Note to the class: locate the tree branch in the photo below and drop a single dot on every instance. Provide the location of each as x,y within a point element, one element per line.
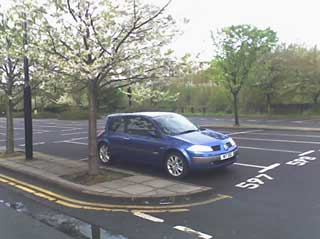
<point>71,11</point>
<point>154,16</point>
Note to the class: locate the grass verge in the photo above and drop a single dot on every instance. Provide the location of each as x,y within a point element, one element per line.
<point>103,176</point>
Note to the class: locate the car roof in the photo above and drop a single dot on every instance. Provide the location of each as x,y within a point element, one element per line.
<point>147,114</point>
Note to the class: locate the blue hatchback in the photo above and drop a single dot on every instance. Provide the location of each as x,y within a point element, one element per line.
<point>165,139</point>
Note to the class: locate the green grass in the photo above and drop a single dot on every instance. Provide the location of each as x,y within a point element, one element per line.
<point>103,176</point>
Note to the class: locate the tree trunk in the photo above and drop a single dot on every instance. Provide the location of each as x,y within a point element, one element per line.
<point>315,98</point>
<point>268,103</point>
<point>92,140</point>
<point>235,109</point>
<point>10,128</point>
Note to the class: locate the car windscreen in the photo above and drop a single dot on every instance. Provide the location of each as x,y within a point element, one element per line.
<point>175,124</point>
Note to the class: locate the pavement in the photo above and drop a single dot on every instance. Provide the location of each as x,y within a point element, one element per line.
<point>133,186</point>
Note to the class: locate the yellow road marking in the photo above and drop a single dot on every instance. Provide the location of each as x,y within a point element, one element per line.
<point>25,189</point>
<point>74,203</point>
<point>45,196</point>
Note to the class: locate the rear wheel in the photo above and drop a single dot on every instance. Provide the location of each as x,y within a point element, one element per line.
<point>176,165</point>
<point>104,154</point>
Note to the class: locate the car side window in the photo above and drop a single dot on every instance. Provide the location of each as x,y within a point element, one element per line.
<point>117,125</point>
<point>140,126</point>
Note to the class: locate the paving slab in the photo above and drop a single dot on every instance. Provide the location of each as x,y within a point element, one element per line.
<point>139,178</point>
<point>182,188</point>
<point>159,183</point>
<point>115,184</point>
<point>136,189</point>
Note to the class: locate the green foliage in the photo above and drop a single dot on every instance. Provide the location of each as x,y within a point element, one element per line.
<point>154,96</point>
<point>56,108</point>
<point>110,100</point>
<point>238,49</point>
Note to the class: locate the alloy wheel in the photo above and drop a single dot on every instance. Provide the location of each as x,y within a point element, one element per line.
<point>175,165</point>
<point>104,153</point>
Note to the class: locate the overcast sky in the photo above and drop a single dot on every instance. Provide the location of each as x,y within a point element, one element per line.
<point>295,21</point>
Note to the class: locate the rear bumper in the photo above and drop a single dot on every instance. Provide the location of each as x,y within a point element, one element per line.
<point>213,161</point>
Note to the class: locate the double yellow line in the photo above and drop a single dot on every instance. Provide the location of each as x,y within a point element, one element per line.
<point>79,204</point>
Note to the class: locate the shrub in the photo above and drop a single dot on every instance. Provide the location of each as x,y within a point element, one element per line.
<point>45,115</point>
<point>57,108</point>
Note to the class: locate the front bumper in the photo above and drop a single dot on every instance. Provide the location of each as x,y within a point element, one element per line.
<point>199,162</point>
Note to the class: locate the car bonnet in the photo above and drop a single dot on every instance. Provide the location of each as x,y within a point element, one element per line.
<point>205,137</point>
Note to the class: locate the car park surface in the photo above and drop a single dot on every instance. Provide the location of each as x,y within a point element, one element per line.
<point>274,187</point>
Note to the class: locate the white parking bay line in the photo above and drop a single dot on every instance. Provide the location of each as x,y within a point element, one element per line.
<point>250,165</point>
<point>79,138</point>
<point>74,133</point>
<point>74,142</point>
<point>193,232</point>
<point>148,217</point>
<point>72,129</point>
<point>288,135</point>
<point>306,153</point>
<point>38,143</point>
<point>279,140</point>
<point>273,150</point>
<point>246,132</point>
<point>297,122</point>
<point>269,167</point>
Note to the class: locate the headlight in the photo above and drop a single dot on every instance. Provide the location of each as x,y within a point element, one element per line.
<point>232,142</point>
<point>200,148</point>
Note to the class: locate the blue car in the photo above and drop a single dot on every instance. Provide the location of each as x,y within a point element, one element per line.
<point>168,140</point>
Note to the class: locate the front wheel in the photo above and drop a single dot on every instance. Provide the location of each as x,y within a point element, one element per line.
<point>176,165</point>
<point>104,154</point>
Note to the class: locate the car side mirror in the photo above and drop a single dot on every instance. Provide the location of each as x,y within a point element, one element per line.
<point>202,128</point>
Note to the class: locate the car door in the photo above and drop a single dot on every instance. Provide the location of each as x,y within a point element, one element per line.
<point>118,137</point>
<point>145,144</point>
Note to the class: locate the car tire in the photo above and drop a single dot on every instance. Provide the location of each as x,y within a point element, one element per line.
<point>104,154</point>
<point>176,165</point>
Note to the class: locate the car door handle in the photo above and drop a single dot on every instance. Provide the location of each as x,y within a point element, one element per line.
<point>126,138</point>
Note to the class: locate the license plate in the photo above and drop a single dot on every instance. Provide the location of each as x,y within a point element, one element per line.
<point>226,156</point>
